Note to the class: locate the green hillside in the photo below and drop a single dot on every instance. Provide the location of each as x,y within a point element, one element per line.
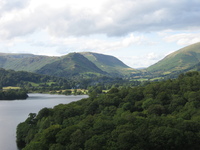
<point>109,64</point>
<point>24,62</point>
<point>70,65</point>
<point>177,61</point>
<point>79,64</point>
<point>194,68</point>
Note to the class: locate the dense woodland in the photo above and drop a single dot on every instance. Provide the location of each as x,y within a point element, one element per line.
<point>13,94</point>
<point>28,80</point>
<point>42,83</point>
<point>32,82</point>
<point>160,115</point>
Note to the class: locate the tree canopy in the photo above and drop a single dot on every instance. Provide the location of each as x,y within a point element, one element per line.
<point>159,115</point>
<point>13,94</point>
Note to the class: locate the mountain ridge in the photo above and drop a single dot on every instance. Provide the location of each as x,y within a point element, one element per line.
<point>89,64</point>
<point>67,65</point>
<point>24,62</point>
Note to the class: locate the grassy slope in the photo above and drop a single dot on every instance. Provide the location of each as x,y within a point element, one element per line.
<point>108,63</point>
<point>24,62</point>
<point>71,64</point>
<point>179,60</point>
<point>74,63</point>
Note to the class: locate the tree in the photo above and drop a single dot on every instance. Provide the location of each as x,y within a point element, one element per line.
<point>166,138</point>
<point>63,136</point>
<point>77,139</point>
<point>97,142</point>
<point>156,109</point>
<point>49,134</point>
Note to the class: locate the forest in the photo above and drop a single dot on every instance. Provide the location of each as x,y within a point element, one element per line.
<point>13,94</point>
<point>159,115</point>
<point>27,82</point>
<point>43,83</point>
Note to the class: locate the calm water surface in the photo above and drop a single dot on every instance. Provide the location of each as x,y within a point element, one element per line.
<point>14,112</point>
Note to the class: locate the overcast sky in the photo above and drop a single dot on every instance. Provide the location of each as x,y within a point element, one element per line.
<point>138,32</point>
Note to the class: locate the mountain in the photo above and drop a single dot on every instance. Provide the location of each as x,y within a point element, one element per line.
<point>70,65</point>
<point>109,64</point>
<point>177,61</point>
<point>79,64</point>
<point>24,62</point>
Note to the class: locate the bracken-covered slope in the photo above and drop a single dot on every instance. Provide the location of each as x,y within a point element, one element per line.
<point>178,61</point>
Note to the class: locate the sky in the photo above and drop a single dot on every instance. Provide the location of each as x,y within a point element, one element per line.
<point>138,32</point>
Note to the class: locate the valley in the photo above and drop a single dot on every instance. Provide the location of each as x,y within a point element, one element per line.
<point>124,104</point>
<point>87,65</point>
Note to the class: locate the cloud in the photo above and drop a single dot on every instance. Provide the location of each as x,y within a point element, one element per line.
<point>139,61</point>
<point>152,56</point>
<point>112,18</point>
<point>9,5</point>
<point>183,39</point>
<point>119,18</point>
<point>99,44</point>
<point>40,41</point>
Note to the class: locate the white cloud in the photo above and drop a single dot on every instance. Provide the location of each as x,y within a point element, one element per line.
<point>133,40</point>
<point>100,44</point>
<point>40,41</point>
<point>152,56</point>
<point>182,38</point>
<point>139,61</point>
<point>9,5</point>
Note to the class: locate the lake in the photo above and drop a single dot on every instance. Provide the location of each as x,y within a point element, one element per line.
<point>16,111</point>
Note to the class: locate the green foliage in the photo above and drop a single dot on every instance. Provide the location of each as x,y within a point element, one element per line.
<point>160,115</point>
<point>31,81</point>
<point>13,94</point>
<point>43,83</point>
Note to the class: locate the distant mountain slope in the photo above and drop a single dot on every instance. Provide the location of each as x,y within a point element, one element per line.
<point>70,65</point>
<point>24,62</point>
<point>196,67</point>
<point>84,64</point>
<point>177,61</point>
<point>109,64</point>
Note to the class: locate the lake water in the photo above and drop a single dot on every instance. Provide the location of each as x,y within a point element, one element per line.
<point>16,111</point>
